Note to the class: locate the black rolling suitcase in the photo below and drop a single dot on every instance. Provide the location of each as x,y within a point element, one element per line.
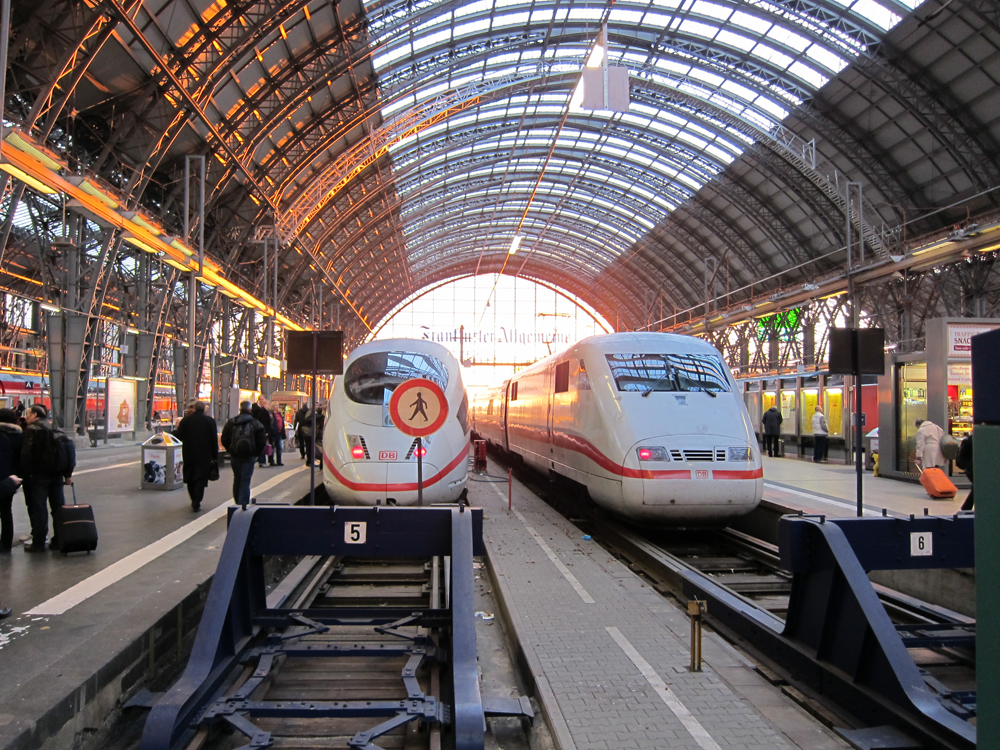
<point>76,529</point>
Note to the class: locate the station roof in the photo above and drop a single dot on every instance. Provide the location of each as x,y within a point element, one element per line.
<point>392,145</point>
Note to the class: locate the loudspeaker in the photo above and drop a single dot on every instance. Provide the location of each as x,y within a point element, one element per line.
<point>857,351</point>
<point>329,352</point>
<point>985,365</point>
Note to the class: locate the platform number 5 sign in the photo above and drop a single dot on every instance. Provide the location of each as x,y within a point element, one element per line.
<point>355,532</point>
<point>921,544</point>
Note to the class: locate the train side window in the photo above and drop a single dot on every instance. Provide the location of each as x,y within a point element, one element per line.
<point>513,391</point>
<point>562,377</point>
<point>489,409</point>
<point>582,378</point>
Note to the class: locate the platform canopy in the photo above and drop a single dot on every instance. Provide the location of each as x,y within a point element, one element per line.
<point>393,145</point>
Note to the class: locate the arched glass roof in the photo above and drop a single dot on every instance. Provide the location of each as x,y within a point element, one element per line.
<point>582,186</point>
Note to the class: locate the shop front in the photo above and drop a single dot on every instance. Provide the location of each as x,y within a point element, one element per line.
<point>797,398</point>
<point>934,384</point>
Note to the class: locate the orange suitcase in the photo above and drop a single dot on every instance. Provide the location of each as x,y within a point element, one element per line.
<point>937,484</point>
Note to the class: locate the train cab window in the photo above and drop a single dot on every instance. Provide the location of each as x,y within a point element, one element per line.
<point>513,391</point>
<point>372,378</point>
<point>562,377</point>
<point>668,372</point>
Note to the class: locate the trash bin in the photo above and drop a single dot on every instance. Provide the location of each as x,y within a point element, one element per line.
<point>162,465</point>
<point>871,448</point>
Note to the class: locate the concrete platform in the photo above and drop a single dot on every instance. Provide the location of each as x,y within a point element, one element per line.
<point>87,629</point>
<point>609,656</point>
<point>831,488</point>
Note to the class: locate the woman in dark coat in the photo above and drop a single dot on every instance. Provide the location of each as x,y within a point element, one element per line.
<point>200,438</point>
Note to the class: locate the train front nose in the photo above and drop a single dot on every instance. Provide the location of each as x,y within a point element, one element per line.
<point>702,477</point>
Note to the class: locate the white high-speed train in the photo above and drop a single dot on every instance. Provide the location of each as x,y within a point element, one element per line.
<point>366,459</point>
<point>651,423</point>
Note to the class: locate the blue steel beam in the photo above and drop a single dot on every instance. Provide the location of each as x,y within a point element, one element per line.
<point>236,621</point>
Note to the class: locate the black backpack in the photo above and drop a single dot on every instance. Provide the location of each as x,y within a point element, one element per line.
<point>243,439</point>
<point>65,453</point>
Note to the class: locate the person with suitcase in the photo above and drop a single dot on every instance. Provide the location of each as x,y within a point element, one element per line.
<point>48,458</point>
<point>930,460</point>
<point>199,438</point>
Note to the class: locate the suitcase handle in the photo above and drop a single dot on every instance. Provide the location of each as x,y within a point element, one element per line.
<point>74,493</point>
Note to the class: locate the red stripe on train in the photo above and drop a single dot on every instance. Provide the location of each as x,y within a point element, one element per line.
<point>585,448</point>
<point>404,487</point>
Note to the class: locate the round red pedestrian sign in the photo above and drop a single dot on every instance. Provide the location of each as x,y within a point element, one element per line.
<point>418,407</point>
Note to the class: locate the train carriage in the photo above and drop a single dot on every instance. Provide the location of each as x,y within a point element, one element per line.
<point>651,423</point>
<point>366,459</point>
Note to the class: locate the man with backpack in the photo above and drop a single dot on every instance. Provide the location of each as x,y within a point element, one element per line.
<point>48,458</point>
<point>244,437</point>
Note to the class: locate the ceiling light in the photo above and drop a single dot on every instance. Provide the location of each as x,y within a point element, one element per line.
<point>92,190</point>
<point>935,246</point>
<point>50,308</point>
<point>25,146</point>
<point>141,244</point>
<point>514,244</point>
<point>27,179</point>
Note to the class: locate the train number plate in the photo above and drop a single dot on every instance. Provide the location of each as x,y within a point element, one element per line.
<point>355,532</point>
<point>387,455</point>
<point>701,474</point>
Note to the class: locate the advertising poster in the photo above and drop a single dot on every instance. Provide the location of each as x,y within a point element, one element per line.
<point>121,405</point>
<point>154,470</point>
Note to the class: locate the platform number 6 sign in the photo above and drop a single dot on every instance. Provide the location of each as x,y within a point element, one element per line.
<point>921,544</point>
<point>355,532</point>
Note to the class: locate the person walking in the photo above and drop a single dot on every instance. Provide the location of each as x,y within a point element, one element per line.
<point>45,472</point>
<point>11,438</point>
<point>821,436</point>
<point>199,436</point>
<point>300,417</point>
<point>277,437</point>
<point>261,414</point>
<point>929,444</point>
<point>964,462</point>
<point>772,431</point>
<point>312,441</point>
<point>244,437</point>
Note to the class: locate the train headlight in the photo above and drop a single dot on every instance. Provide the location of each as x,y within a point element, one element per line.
<point>652,453</point>
<point>740,454</point>
<point>357,445</point>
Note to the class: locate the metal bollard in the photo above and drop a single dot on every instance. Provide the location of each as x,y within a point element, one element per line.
<point>696,609</point>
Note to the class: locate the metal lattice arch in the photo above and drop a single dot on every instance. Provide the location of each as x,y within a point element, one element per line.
<point>356,154</point>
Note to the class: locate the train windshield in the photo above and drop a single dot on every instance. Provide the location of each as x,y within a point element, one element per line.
<point>668,372</point>
<point>372,378</point>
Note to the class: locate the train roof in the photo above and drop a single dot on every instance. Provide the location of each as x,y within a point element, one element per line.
<point>635,341</point>
<point>405,345</point>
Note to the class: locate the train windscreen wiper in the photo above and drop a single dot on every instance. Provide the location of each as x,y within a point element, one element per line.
<point>668,373</point>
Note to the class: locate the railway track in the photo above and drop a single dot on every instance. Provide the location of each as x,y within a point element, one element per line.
<point>370,643</point>
<point>747,575</point>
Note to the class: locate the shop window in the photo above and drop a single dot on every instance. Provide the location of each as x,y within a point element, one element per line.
<point>911,385</point>
<point>788,412</point>
<point>833,407</point>
<point>810,399</point>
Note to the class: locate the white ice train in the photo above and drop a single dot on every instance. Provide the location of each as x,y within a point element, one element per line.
<point>651,423</point>
<point>366,459</point>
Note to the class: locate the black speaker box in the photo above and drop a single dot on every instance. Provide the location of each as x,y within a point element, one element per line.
<point>857,351</point>
<point>329,352</point>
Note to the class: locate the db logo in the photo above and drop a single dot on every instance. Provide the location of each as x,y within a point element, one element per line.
<point>387,455</point>
<point>701,474</point>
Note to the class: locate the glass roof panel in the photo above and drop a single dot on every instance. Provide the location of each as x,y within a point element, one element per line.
<point>736,70</point>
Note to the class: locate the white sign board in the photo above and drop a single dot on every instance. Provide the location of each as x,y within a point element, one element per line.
<point>121,405</point>
<point>355,532</point>
<point>921,544</point>
<point>960,338</point>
